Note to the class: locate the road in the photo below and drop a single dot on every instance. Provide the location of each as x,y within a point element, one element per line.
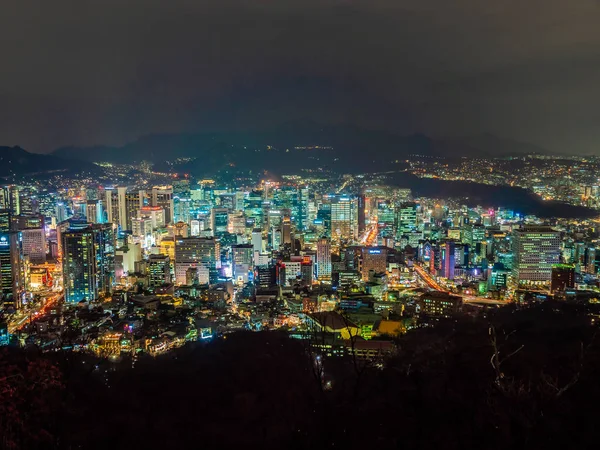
<point>370,235</point>
<point>466,298</point>
<point>20,321</point>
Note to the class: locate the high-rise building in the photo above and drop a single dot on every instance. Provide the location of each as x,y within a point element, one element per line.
<point>12,277</point>
<point>201,253</point>
<point>219,220</point>
<point>342,217</point>
<point>159,270</point>
<point>362,219</point>
<point>88,262</point>
<point>241,258</point>
<point>155,213</point>
<point>61,212</point>
<point>536,249</point>
<point>34,245</point>
<point>163,196</point>
<point>323,266</point>
<point>182,209</point>
<point>5,220</point>
<point>373,259</point>
<point>130,202</point>
<point>111,203</point>
<point>448,260</point>
<point>407,218</point>
<point>95,212</point>
<point>562,278</point>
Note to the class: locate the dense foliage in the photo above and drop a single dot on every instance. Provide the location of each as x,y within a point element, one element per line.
<point>521,378</point>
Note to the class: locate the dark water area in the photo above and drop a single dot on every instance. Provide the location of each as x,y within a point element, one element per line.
<point>519,200</point>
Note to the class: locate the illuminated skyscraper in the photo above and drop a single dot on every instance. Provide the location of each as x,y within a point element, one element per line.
<point>220,221</point>
<point>323,267</point>
<point>163,196</point>
<point>159,270</point>
<point>34,245</point>
<point>200,253</point>
<point>95,211</point>
<point>12,277</point>
<point>373,258</point>
<point>241,256</point>
<point>342,217</point>
<point>448,260</point>
<point>536,249</point>
<point>88,262</point>
<point>563,278</point>
<point>407,218</point>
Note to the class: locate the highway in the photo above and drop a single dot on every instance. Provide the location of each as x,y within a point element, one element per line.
<point>370,235</point>
<point>466,298</point>
<point>20,321</point>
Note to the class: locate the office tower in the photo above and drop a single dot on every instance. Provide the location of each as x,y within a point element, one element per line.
<point>130,202</point>
<point>5,220</point>
<point>219,221</point>
<point>88,262</point>
<point>28,202</point>
<point>323,258</point>
<point>6,198</point>
<point>182,209</point>
<point>386,218</point>
<point>407,218</point>
<point>275,238</point>
<point>155,213</point>
<point>253,209</point>
<point>286,230</point>
<point>239,201</point>
<point>128,258</point>
<point>362,220</point>
<point>373,259</point>
<point>536,249</point>
<point>34,245</point>
<point>562,278</point>
<point>159,270</point>
<point>15,200</point>
<point>237,223</point>
<point>448,260</point>
<point>163,196</point>
<point>306,270</point>
<point>181,188</point>
<point>194,227</point>
<point>266,276</point>
<point>241,258</point>
<point>498,277</point>
<point>12,276</point>
<point>341,218</point>
<point>590,260</point>
<point>95,212</point>
<point>477,234</point>
<point>303,208</point>
<point>195,252</point>
<point>257,241</point>
<point>61,212</point>
<point>111,204</point>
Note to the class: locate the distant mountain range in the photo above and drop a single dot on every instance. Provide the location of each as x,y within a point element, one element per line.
<point>345,147</point>
<point>14,161</point>
<point>282,149</point>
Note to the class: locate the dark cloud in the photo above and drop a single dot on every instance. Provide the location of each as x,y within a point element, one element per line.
<point>87,71</point>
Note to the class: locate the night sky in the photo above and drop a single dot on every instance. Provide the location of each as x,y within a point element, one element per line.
<point>105,72</point>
